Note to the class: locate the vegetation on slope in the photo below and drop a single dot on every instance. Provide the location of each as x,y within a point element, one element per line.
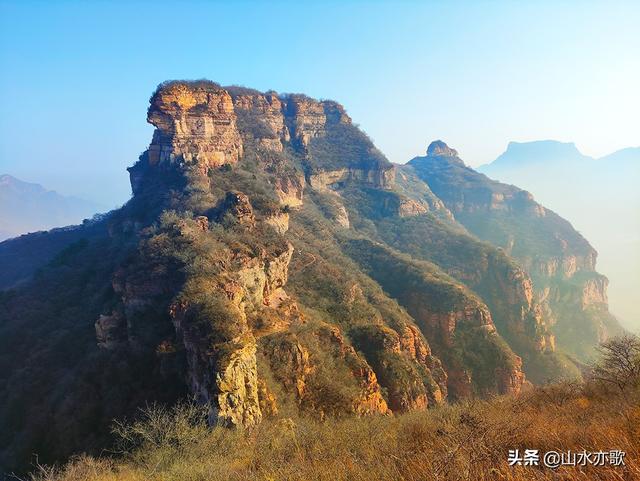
<point>466,441</point>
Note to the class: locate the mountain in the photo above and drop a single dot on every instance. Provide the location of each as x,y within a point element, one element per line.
<point>27,207</point>
<point>272,262</point>
<point>601,198</point>
<point>560,261</point>
<point>538,153</point>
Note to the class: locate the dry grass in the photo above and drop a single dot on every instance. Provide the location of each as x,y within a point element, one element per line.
<point>468,441</point>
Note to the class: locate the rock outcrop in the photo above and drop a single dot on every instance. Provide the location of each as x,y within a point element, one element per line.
<point>195,123</point>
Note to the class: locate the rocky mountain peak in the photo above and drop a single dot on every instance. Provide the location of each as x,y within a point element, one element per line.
<point>439,148</point>
<point>193,120</point>
<point>202,126</point>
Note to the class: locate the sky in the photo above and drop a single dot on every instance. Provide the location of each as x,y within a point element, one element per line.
<point>75,77</point>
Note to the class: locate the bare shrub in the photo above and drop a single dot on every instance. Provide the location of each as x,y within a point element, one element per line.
<point>619,362</point>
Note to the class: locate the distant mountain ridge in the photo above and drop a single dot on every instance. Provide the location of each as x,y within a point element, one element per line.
<point>535,152</point>
<point>542,152</point>
<point>29,207</point>
<point>599,195</point>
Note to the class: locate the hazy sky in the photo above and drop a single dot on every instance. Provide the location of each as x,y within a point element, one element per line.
<point>75,77</point>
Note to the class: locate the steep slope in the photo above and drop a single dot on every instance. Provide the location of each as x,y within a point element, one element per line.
<point>561,262</point>
<point>601,198</point>
<point>27,207</point>
<point>269,263</point>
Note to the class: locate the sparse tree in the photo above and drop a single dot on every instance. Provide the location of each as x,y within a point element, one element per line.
<point>619,362</point>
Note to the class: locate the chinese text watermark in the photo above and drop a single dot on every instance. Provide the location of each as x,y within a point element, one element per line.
<point>555,459</point>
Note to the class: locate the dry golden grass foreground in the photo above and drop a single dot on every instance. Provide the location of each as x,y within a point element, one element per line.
<point>466,441</point>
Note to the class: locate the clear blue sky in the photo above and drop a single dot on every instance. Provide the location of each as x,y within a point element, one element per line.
<point>75,77</point>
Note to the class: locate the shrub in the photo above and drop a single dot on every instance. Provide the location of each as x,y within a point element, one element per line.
<point>619,363</point>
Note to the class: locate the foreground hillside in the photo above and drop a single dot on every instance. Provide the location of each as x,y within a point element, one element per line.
<point>468,441</point>
<point>272,262</point>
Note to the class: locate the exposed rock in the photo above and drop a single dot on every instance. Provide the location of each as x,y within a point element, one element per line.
<point>460,323</point>
<point>237,206</point>
<point>268,111</point>
<point>399,369</point>
<point>566,265</point>
<point>194,123</point>
<point>330,179</point>
<point>511,381</point>
<point>261,278</point>
<point>342,217</point>
<point>289,190</point>
<point>409,208</point>
<point>370,400</point>
<point>594,291</point>
<point>237,388</point>
<point>294,365</point>
<point>277,270</point>
<point>307,118</point>
<point>203,222</point>
<point>268,402</point>
<point>279,221</point>
<point>111,331</point>
<point>438,148</point>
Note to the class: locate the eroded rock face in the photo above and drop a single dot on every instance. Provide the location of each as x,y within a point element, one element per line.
<point>207,125</point>
<point>412,376</point>
<point>267,111</point>
<point>438,148</point>
<point>290,190</point>
<point>236,398</point>
<point>511,381</point>
<point>194,123</point>
<point>452,318</point>
<point>307,118</point>
<point>237,206</point>
<point>111,331</point>
<point>369,400</point>
<point>225,376</point>
<point>267,400</point>
<point>442,165</point>
<point>330,179</point>
<point>279,221</point>
<point>342,217</point>
<point>294,359</point>
<point>410,208</point>
<point>594,291</point>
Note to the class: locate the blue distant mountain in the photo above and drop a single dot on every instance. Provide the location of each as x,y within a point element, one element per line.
<point>539,153</point>
<point>600,196</point>
<point>27,207</point>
